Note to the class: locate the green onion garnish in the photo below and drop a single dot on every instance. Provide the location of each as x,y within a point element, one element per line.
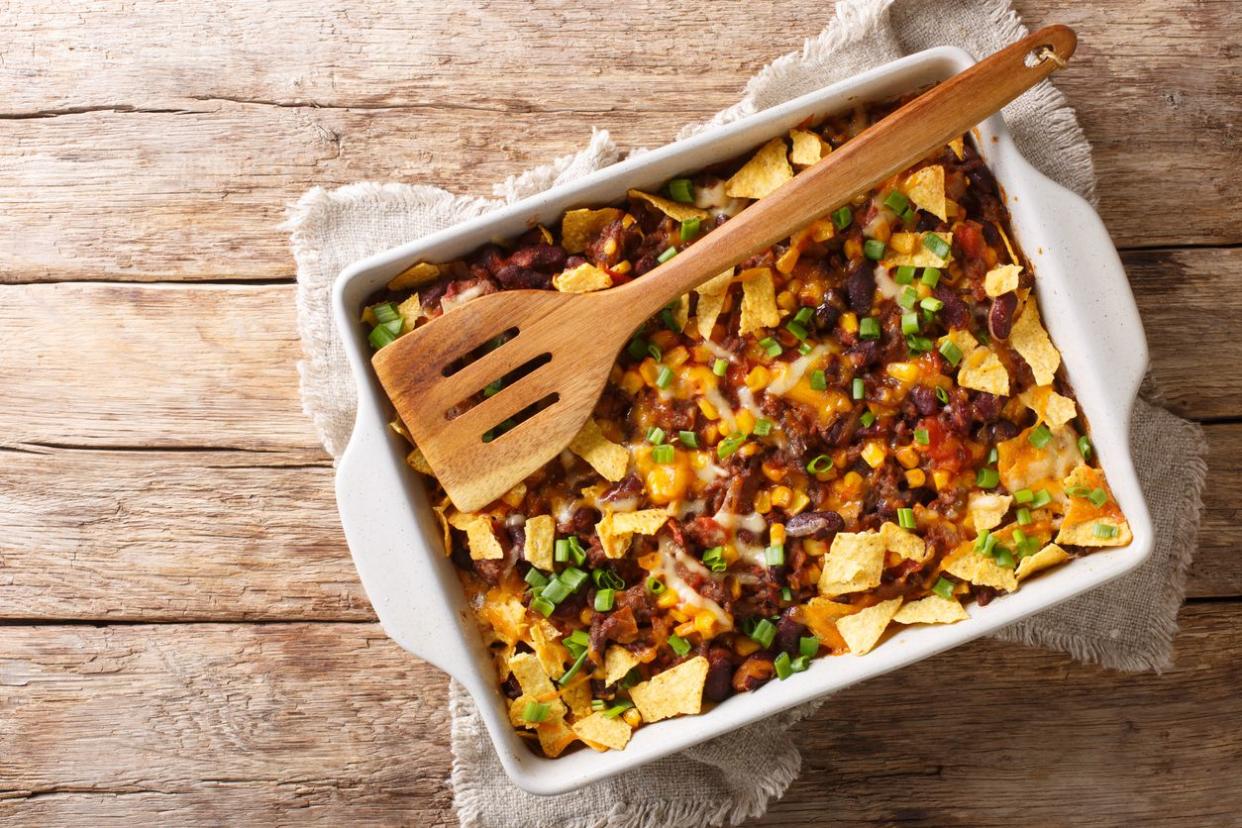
<point>905,518</point>
<point>867,418</point>
<point>1084,447</point>
<point>560,551</point>
<point>653,350</point>
<point>535,578</point>
<point>617,709</point>
<point>1004,557</point>
<point>680,189</point>
<point>796,328</point>
<point>869,328</point>
<point>803,316</point>
<point>688,439</point>
<point>942,395</point>
<point>573,577</point>
<point>774,555</point>
<point>841,217</point>
<point>987,478</point>
<point>637,349</point>
<point>714,559</point>
<point>655,586</point>
<point>729,445</point>
<point>763,427</point>
<point>781,665</point>
<point>907,297</point>
<point>542,606</point>
<point>931,304</point>
<point>921,436</point>
<point>385,312</point>
<point>1098,496</point>
<point>607,579</point>
<point>535,712</point>
<point>380,336</point>
<point>808,646</point>
<point>664,454</point>
<point>666,255</point>
<point>1023,495</point>
<point>655,435</point>
<point>764,633</point>
<point>804,348</point>
<point>720,366</point>
<point>1041,499</point>
<point>904,275</point>
<point>943,588</point>
<point>771,346</point>
<point>1104,530</point>
<point>1024,516</point>
<point>819,463</point>
<point>665,377</point>
<point>678,644</point>
<point>931,276</point>
<point>993,456</point>
<point>819,381</point>
<point>896,202</point>
<point>938,246</point>
<point>786,594</point>
<point>577,641</point>
<point>985,543</point>
<point>909,323</point>
<point>573,670</point>
<point>800,664</point>
<point>951,353</point>
<point>1040,436</point>
<point>857,388</point>
<point>690,228</point>
<point>874,249</point>
<point>919,344</point>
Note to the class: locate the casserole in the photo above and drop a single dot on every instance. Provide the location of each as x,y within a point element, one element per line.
<point>394,539</point>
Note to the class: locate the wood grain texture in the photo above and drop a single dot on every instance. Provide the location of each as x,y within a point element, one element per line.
<point>157,163</point>
<point>327,724</point>
<point>230,536</point>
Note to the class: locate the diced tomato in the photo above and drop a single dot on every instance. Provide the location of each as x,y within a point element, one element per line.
<point>969,238</point>
<point>945,450</point>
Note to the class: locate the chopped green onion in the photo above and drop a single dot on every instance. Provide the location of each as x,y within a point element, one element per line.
<point>669,319</point>
<point>678,644</point>
<point>573,670</point>
<point>665,377</point>
<point>637,348</point>
<point>380,336</point>
<point>714,559</point>
<point>542,606</point>
<point>804,315</point>
<point>841,217</point>
<point>858,388</point>
<point>1084,447</point>
<point>896,202</point>
<point>535,712</point>
<point>819,463</point>
<point>688,439</point>
<point>987,478</point>
<point>774,555</point>
<point>729,445</point>
<point>764,633</point>
<point>577,641</point>
<point>607,579</point>
<point>598,705</point>
<point>781,665</point>
<point>943,588</point>
<point>1104,530</point>
<point>919,344</point>
<point>655,586</point>
<point>796,328</point>
<point>869,328</point>
<point>983,337</point>
<point>770,345</point>
<point>931,304</point>
<point>720,366</point>
<point>617,709</point>
<point>385,312</point>
<point>942,395</point>
<point>666,255</point>
<point>800,664</point>
<point>560,551</point>
<point>808,645</point>
<point>867,418</point>
<point>908,214</point>
<point>874,249</point>
<point>786,594</point>
<point>680,189</point>
<point>664,454</point>
<point>1040,436</point>
<point>1023,495</point>
<point>690,228</point>
<point>1024,516</point>
<point>921,436</point>
<point>985,543</point>
<point>905,518</point>
<point>1041,499</point>
<point>937,246</point>
<point>653,350</point>
<point>1098,496</point>
<point>908,297</point>
<point>535,578</point>
<point>763,427</point>
<point>904,275</point>
<point>993,456</point>
<point>951,353</point>
<point>1004,557</point>
<point>804,348</point>
<point>573,577</point>
<point>909,323</point>
<point>655,435</point>
<point>819,381</point>
<point>931,276</point>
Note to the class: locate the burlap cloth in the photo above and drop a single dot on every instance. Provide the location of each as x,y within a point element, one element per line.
<point>1126,625</point>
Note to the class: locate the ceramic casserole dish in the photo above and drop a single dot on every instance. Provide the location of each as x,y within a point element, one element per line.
<point>395,539</point>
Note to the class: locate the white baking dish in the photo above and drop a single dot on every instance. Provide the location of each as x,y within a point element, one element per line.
<point>1088,308</point>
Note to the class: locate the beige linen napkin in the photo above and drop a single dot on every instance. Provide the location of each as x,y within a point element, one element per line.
<point>1127,625</point>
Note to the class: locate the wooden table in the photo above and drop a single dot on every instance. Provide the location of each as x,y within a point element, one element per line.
<point>184,639</point>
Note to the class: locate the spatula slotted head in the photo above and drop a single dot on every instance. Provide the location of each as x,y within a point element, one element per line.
<point>562,370</point>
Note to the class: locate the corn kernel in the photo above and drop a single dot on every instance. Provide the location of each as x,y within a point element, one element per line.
<point>763,503</point>
<point>632,717</point>
<point>902,242</point>
<point>821,230</point>
<point>782,496</point>
<point>915,478</point>
<point>799,502</point>
<point>785,264</point>
<point>684,629</point>
<point>709,410</point>
<point>852,480</point>
<point>758,377</point>
<point>666,339</point>
<point>849,322</point>
<point>621,267</point>
<point>880,230</point>
<point>923,290</point>
<point>903,371</point>
<point>649,371</point>
<point>814,547</point>
<point>874,453</point>
<point>735,586</point>
<point>730,555</point>
<point>586,615</point>
<point>610,246</point>
<point>907,456</point>
<point>631,382</point>
<point>853,249</point>
<point>776,534</point>
<point>711,434</point>
<point>786,300</point>
<point>745,422</point>
<point>650,561</point>
<point>678,614</point>
<point>627,220</point>
<point>668,599</point>
<point>705,623</point>
<point>745,646</point>
<point>941,479</point>
<point>773,472</point>
<point>676,357</point>
<point>749,450</point>
<point>667,482</point>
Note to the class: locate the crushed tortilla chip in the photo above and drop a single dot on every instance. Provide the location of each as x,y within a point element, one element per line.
<point>854,562</point>
<point>418,462</point>
<point>441,513</point>
<point>617,528</point>
<point>1078,528</point>
<point>919,256</point>
<point>555,736</point>
<point>545,641</point>
<point>967,564</point>
<point>766,170</point>
<point>808,147</point>
<point>673,209</point>
<point>1031,341</point>
<point>905,544</point>
<point>1025,466</point>
<point>584,278</point>
<point>578,696</point>
<point>1049,406</point>
<point>962,338</point>
<point>925,187</point>
<point>821,616</point>
<point>863,629</point>
<point>711,301</point>
<point>982,370</point>
<point>411,310</point>
<point>598,729</point>
<point>517,707</point>
<point>531,676</point>
<point>414,275</point>
<point>580,227</point>
<point>540,534</point>
<point>931,610</point>
<point>681,312</point>
<point>958,146</point>
<point>1050,555</point>
<point>605,456</point>
<point>505,614</point>
<point>758,301</point>
<point>618,662</point>
<point>678,690</point>
<point>479,535</point>
<point>987,510</point>
<point>1001,279</point>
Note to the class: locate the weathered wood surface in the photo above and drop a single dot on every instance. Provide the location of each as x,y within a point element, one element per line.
<point>330,724</point>
<point>156,162</point>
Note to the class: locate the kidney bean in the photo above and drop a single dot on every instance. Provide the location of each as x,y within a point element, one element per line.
<point>986,407</point>
<point>545,257</point>
<point>860,288</point>
<point>719,683</point>
<point>1003,430</point>
<point>814,524</point>
<point>924,399</point>
<point>512,277</point>
<point>955,313</point>
<point>788,631</point>
<point>1000,317</point>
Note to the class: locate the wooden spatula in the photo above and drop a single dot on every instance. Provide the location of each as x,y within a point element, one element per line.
<point>577,336</point>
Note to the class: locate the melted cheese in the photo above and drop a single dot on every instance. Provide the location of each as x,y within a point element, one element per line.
<point>754,522</point>
<point>670,555</point>
<point>718,401</point>
<point>448,303</point>
<point>794,371</point>
<point>884,283</point>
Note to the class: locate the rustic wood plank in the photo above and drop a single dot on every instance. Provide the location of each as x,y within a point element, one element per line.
<point>214,365</point>
<point>248,724</point>
<point>228,536</point>
<point>174,161</point>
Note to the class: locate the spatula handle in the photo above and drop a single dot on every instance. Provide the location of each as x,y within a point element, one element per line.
<point>929,121</point>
